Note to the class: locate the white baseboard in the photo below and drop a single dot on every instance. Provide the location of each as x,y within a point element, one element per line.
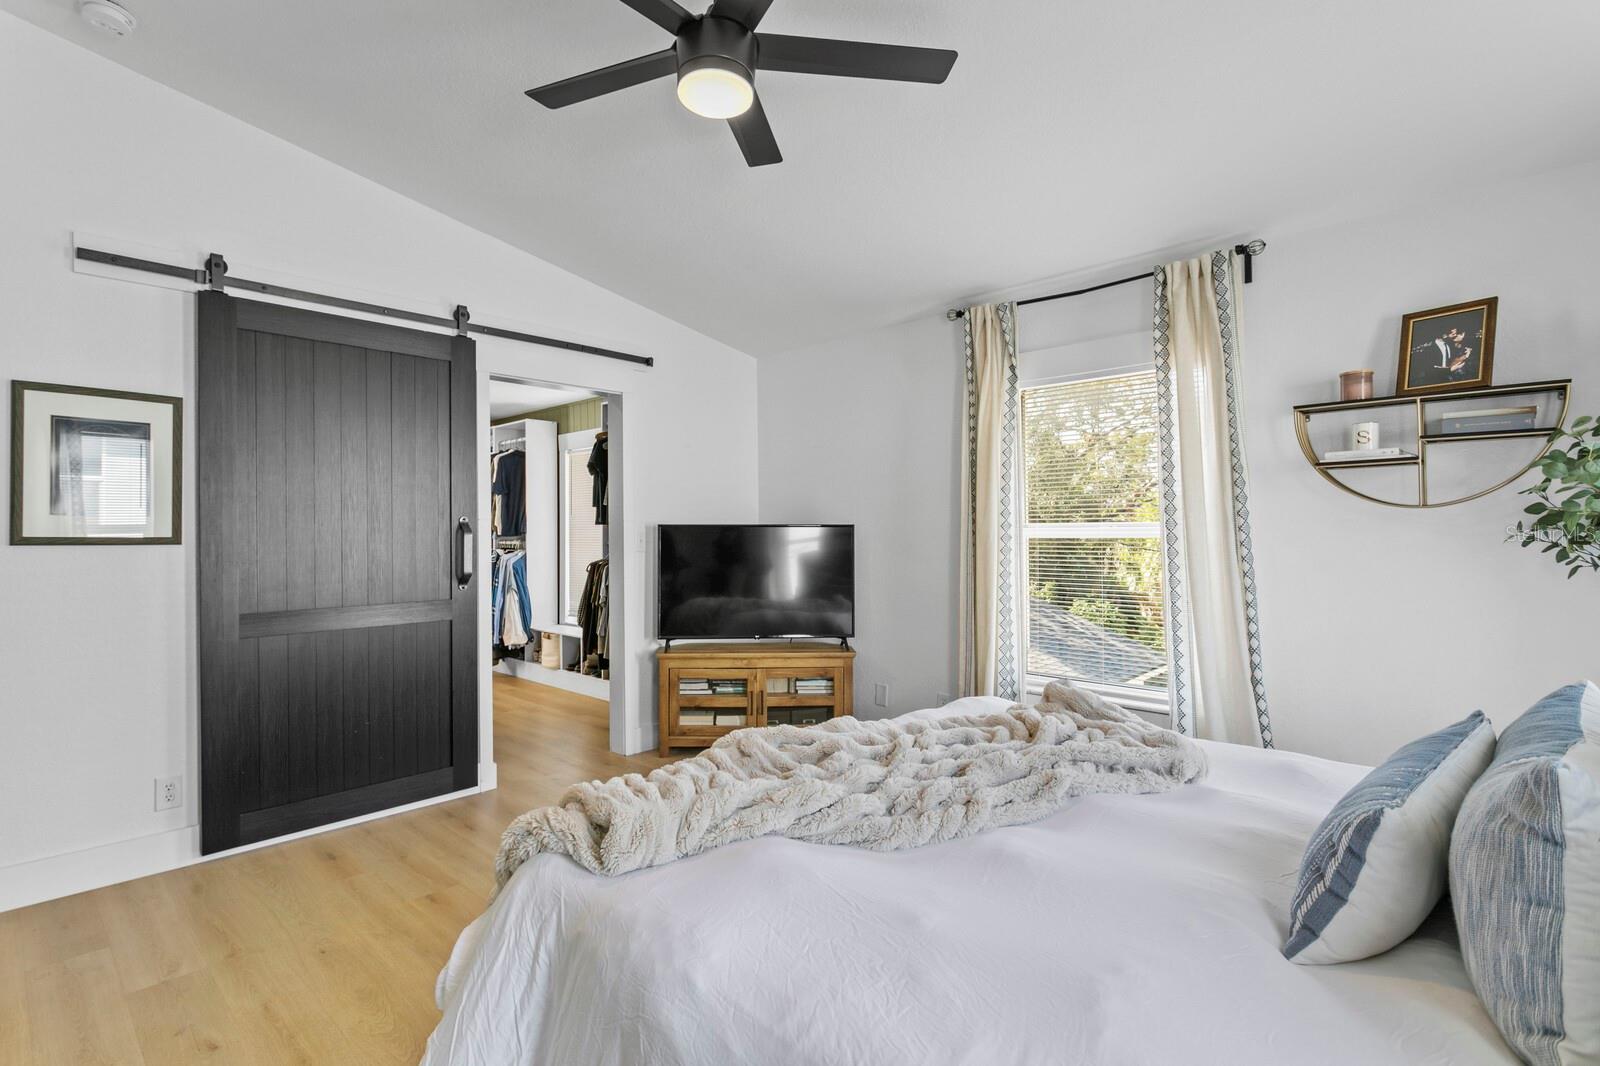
<point>570,680</point>
<point>26,883</point>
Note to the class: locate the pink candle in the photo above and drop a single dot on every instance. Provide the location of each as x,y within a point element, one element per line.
<point>1355,385</point>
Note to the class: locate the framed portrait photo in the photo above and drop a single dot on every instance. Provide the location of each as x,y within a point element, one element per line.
<point>95,466</point>
<point>1446,349</point>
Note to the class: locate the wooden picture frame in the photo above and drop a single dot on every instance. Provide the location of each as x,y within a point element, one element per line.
<point>49,484</point>
<point>1447,349</point>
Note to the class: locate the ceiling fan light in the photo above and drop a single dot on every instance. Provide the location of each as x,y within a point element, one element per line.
<point>715,89</point>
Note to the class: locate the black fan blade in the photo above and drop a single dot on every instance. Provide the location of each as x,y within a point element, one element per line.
<point>852,59</point>
<point>754,134</point>
<point>664,13</point>
<point>607,79</point>
<point>748,13</point>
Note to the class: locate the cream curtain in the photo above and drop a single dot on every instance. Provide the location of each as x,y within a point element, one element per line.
<point>1214,638</point>
<point>989,467</point>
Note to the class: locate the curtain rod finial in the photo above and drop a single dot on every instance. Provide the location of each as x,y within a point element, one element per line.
<point>952,314</point>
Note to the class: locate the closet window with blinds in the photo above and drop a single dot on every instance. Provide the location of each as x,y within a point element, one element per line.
<point>1092,534</point>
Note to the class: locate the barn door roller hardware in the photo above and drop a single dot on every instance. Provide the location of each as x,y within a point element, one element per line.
<point>214,275</point>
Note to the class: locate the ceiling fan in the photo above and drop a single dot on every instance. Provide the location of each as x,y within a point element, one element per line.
<point>716,56</point>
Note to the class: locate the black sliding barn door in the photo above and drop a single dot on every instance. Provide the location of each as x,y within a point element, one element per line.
<point>338,645</point>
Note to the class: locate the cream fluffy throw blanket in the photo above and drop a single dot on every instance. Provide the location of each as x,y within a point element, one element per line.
<point>883,785</point>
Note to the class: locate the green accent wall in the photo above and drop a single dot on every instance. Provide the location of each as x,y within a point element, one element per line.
<point>569,417</point>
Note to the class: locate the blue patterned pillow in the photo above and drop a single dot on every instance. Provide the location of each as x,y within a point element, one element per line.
<point>1525,881</point>
<point>1376,865</point>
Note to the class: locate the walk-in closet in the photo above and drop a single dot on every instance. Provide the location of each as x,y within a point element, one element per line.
<point>547,479</point>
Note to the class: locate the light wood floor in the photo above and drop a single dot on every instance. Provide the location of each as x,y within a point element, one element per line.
<point>320,951</point>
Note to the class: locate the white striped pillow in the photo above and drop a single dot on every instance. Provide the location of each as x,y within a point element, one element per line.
<point>1525,881</point>
<point>1376,866</point>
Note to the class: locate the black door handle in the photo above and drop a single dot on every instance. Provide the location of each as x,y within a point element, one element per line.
<point>464,552</point>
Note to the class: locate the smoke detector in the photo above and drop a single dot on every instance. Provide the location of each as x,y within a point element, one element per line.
<point>108,17</point>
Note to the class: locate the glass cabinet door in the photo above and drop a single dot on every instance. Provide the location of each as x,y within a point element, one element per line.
<point>799,695</point>
<point>713,701</point>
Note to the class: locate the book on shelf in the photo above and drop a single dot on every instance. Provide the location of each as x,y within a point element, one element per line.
<point>1488,420</point>
<point>1354,455</point>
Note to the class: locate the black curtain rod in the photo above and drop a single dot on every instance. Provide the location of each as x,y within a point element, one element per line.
<point>1248,251</point>
<point>215,275</point>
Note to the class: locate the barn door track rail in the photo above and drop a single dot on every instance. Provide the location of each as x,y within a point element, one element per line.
<point>214,275</point>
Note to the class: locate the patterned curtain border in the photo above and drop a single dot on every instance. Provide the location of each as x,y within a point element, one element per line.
<point>1171,515</point>
<point>1222,282</point>
<point>970,683</point>
<point>1005,681</point>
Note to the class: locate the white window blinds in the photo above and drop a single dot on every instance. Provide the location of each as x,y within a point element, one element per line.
<point>102,476</point>
<point>1093,541</point>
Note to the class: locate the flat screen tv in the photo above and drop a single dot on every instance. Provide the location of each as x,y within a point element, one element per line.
<point>756,581</point>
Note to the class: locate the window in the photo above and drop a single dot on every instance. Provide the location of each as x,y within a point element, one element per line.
<point>582,540</point>
<point>102,476</point>
<point>1092,535</point>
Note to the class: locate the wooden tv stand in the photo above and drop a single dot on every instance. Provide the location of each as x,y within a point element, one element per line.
<point>709,690</point>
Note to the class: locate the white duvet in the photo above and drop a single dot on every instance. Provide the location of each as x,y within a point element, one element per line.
<point>1122,929</point>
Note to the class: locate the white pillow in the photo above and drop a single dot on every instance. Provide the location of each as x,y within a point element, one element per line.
<point>1376,866</point>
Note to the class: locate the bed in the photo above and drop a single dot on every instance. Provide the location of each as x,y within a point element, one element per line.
<point>1120,930</point>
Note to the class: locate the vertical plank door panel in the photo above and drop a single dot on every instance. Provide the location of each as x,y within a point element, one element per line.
<point>380,479</point>
<point>300,512</point>
<point>327,457</point>
<point>380,704</point>
<point>272,468</point>
<point>273,670</point>
<point>246,499</point>
<point>355,691</point>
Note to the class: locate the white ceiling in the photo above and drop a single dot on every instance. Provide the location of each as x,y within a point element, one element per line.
<point>507,398</point>
<point>1071,134</point>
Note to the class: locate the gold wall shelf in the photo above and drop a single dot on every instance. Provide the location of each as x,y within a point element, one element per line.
<point>1303,414</point>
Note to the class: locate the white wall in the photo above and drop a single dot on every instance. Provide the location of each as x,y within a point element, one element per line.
<point>1378,624</point>
<point>863,432</point>
<point>97,692</point>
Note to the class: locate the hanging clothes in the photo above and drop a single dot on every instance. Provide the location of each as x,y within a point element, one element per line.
<point>494,498</point>
<point>510,607</point>
<point>594,619</point>
<point>496,595</point>
<point>522,622</point>
<point>599,470</point>
<point>510,492</point>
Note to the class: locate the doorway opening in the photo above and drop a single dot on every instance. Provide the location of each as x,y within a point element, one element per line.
<point>549,465</point>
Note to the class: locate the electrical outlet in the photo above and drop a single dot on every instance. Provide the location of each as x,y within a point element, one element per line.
<point>169,793</point>
<point>941,698</point>
<point>880,694</point>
